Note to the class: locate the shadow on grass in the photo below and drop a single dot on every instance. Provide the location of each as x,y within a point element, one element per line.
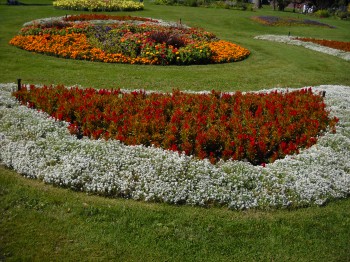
<point>17,3</point>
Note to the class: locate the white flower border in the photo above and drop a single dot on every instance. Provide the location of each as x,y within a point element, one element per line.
<point>153,21</point>
<point>292,40</point>
<point>37,146</point>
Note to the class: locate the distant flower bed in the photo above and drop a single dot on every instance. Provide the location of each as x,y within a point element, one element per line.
<point>89,17</point>
<point>227,4</point>
<point>287,21</point>
<point>259,128</point>
<point>292,40</point>
<point>99,5</point>
<point>345,46</point>
<point>126,40</point>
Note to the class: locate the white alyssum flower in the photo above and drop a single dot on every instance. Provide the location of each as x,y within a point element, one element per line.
<point>292,40</point>
<point>153,21</point>
<point>38,146</point>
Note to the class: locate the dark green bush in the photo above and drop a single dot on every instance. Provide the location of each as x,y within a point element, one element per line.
<point>322,13</point>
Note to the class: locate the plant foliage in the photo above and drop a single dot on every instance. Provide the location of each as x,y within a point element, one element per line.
<point>141,41</point>
<point>99,5</point>
<point>259,128</point>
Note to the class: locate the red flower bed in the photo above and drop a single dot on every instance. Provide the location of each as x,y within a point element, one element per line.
<point>345,46</point>
<point>88,17</point>
<point>255,127</point>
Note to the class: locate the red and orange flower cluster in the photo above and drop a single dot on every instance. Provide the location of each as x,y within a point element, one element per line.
<point>345,46</point>
<point>131,40</point>
<point>73,45</point>
<point>88,17</point>
<point>257,127</point>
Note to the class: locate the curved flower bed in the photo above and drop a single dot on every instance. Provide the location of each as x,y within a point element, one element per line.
<point>99,5</point>
<point>287,21</point>
<point>345,46</point>
<point>256,127</point>
<point>114,40</point>
<point>291,40</point>
<point>38,146</point>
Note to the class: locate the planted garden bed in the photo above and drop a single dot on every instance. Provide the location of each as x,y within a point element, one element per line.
<point>329,47</point>
<point>39,146</point>
<point>340,45</point>
<point>119,40</point>
<point>287,21</point>
<point>259,128</point>
<point>99,5</point>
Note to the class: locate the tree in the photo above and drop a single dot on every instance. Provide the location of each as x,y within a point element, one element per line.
<point>282,4</point>
<point>257,3</point>
<point>324,4</point>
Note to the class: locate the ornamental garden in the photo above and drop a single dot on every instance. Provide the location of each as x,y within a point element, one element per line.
<point>120,39</point>
<point>259,128</point>
<point>207,148</point>
<point>99,5</point>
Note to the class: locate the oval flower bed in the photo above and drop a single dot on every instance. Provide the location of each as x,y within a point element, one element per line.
<point>258,128</point>
<point>38,146</point>
<point>287,21</point>
<point>99,5</point>
<point>117,40</point>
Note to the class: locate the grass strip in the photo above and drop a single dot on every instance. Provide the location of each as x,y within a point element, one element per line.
<point>41,222</point>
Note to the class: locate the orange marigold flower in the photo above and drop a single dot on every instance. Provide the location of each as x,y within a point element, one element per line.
<point>224,51</point>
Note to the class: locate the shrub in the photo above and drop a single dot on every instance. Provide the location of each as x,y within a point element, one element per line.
<point>170,37</point>
<point>342,14</point>
<point>322,13</point>
<point>161,2</point>
<point>282,4</point>
<point>99,5</point>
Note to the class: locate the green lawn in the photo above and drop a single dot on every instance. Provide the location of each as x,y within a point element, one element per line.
<point>270,64</point>
<point>39,222</point>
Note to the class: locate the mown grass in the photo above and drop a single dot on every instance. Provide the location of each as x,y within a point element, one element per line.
<point>39,222</point>
<point>43,223</point>
<point>270,64</point>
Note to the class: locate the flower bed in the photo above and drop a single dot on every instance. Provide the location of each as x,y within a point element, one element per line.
<point>345,46</point>
<point>38,146</point>
<point>89,17</point>
<point>291,40</point>
<point>114,40</point>
<point>287,21</point>
<point>256,127</point>
<point>99,5</point>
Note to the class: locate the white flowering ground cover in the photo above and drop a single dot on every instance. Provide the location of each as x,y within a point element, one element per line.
<point>37,146</point>
<point>55,19</point>
<point>292,40</point>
